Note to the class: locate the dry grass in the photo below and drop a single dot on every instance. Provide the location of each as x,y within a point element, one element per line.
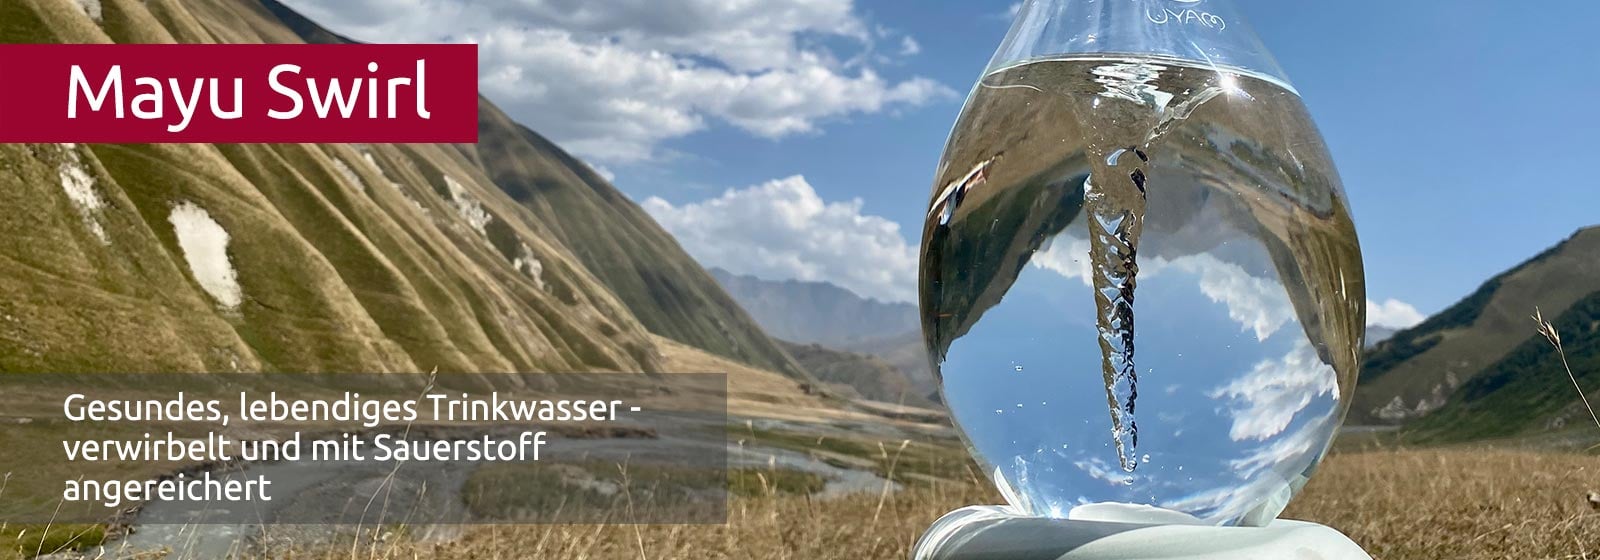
<point>775,526</point>
<point>1412,504</point>
<point>1459,503</point>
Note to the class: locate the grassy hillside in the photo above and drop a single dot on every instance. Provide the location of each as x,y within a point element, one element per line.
<point>612,237</point>
<point>1421,368</point>
<point>1528,390</point>
<point>289,257</point>
<point>851,327</point>
<point>666,289</point>
<point>868,376</point>
<point>508,255</point>
<point>908,353</point>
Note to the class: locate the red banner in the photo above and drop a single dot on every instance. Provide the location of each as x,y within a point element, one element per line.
<point>239,93</point>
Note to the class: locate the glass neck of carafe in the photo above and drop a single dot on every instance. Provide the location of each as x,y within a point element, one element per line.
<point>1205,32</point>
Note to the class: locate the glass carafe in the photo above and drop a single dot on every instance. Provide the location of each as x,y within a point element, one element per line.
<point>1140,283</point>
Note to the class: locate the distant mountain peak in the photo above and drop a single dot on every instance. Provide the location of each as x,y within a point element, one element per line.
<point>809,313</point>
<point>816,312</point>
<point>824,285</point>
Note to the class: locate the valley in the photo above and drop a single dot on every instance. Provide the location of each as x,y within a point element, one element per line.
<point>513,255</point>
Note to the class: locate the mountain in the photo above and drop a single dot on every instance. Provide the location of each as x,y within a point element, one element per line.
<point>824,314</point>
<point>816,312</point>
<point>866,375</point>
<point>1483,353</point>
<point>506,255</point>
<point>1376,334</point>
<point>615,239</point>
<point>666,289</point>
<point>907,352</point>
<point>1527,391</point>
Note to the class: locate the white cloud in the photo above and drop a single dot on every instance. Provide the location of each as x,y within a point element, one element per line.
<point>1267,398</point>
<point>1286,451</point>
<point>909,46</point>
<point>1098,468</point>
<point>611,80</point>
<point>781,229</point>
<point>1392,314</point>
<point>744,35</point>
<point>603,172</point>
<point>1266,474</point>
<point>1257,304</point>
<point>1067,256</point>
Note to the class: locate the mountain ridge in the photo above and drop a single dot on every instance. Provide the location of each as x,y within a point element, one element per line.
<point>1527,391</point>
<point>621,244</point>
<point>851,329</point>
<point>865,375</point>
<point>323,257</point>
<point>815,312</point>
<point>1425,368</point>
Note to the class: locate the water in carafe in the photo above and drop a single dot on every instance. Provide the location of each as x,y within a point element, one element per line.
<point>1140,283</point>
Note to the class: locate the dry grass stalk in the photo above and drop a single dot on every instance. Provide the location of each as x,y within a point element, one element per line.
<point>1551,334</point>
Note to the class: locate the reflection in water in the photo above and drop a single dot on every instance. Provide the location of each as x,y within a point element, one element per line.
<point>1213,195</point>
<point>996,253</point>
<point>1270,395</point>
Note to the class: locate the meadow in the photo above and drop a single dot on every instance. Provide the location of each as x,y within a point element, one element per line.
<point>1461,502</point>
<point>1532,498</point>
<point>1458,503</point>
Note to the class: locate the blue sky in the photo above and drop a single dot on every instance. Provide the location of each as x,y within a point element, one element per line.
<point>1458,127</point>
